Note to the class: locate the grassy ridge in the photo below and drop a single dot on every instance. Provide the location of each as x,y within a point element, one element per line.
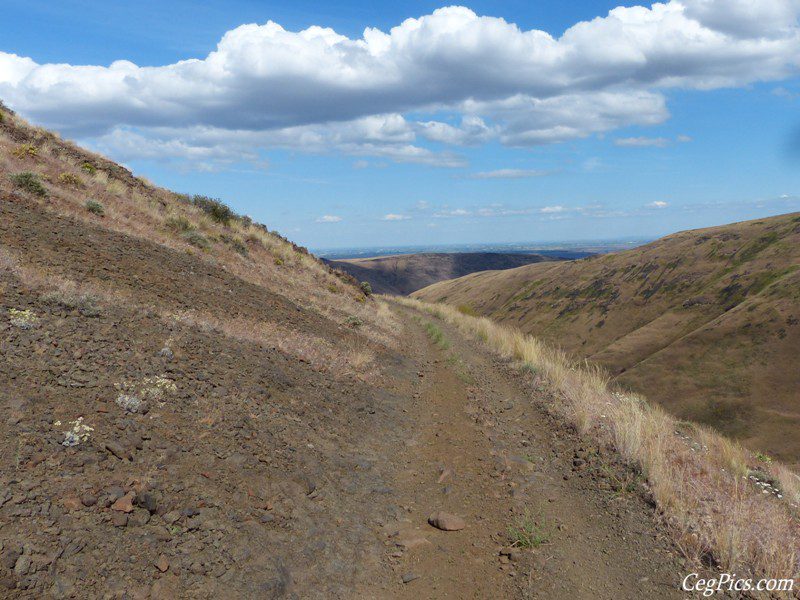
<point>704,322</point>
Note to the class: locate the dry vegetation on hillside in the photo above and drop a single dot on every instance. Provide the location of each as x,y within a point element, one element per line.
<point>39,166</point>
<point>722,502</point>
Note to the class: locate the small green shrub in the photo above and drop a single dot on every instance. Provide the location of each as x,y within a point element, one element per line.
<point>179,224</point>
<point>94,207</point>
<point>354,322</point>
<point>765,458</point>
<point>366,288</point>
<point>437,336</point>
<point>466,309</point>
<point>71,180</point>
<point>215,209</point>
<point>237,244</point>
<point>85,303</point>
<point>528,532</point>
<point>25,151</point>
<point>29,182</point>
<point>197,239</point>
<point>89,168</point>
<point>24,319</point>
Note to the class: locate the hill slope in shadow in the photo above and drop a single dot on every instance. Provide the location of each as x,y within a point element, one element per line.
<point>402,274</point>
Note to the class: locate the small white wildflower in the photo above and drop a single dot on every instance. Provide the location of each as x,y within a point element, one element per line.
<point>155,388</point>
<point>129,402</point>
<point>57,424</point>
<point>79,433</point>
<point>24,319</point>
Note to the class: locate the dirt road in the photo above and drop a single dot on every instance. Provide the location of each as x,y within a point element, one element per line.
<point>482,450</point>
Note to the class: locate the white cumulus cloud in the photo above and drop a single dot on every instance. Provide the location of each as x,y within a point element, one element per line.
<point>467,79</point>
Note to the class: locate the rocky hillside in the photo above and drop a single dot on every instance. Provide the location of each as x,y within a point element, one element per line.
<point>180,388</point>
<point>405,273</point>
<point>705,322</point>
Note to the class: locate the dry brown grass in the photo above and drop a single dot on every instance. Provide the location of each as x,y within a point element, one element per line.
<point>355,358</point>
<point>349,361</point>
<point>135,207</point>
<point>698,479</point>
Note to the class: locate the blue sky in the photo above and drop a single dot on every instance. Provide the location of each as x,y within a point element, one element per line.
<point>460,128</point>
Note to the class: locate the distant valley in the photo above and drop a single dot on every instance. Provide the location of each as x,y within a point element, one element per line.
<point>405,273</point>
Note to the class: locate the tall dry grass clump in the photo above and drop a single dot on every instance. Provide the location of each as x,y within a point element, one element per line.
<point>700,481</point>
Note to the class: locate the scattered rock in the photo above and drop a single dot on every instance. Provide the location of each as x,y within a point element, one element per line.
<point>172,517</point>
<point>148,501</point>
<point>62,588</point>
<point>446,521</point>
<point>410,543</point>
<point>88,500</point>
<point>512,554</point>
<point>22,565</point>
<point>409,577</point>
<point>118,450</point>
<point>446,472</point>
<point>162,564</point>
<point>10,557</point>
<point>71,503</point>
<point>119,519</point>
<point>124,504</point>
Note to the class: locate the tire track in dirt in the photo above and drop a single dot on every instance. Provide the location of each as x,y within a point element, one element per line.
<point>484,451</point>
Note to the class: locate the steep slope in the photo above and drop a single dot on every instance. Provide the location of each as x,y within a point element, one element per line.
<point>405,273</point>
<point>705,322</point>
<point>179,389</point>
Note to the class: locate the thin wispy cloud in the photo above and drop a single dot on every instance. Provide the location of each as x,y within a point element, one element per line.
<point>329,219</point>
<point>395,217</point>
<point>650,142</point>
<point>642,142</point>
<point>509,174</point>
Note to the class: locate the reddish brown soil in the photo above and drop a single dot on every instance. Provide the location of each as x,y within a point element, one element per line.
<point>265,478</point>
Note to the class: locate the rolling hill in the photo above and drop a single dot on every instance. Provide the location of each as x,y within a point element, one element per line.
<point>706,322</point>
<point>402,274</point>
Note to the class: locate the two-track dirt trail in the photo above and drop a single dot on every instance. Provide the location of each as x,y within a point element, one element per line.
<point>481,449</point>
